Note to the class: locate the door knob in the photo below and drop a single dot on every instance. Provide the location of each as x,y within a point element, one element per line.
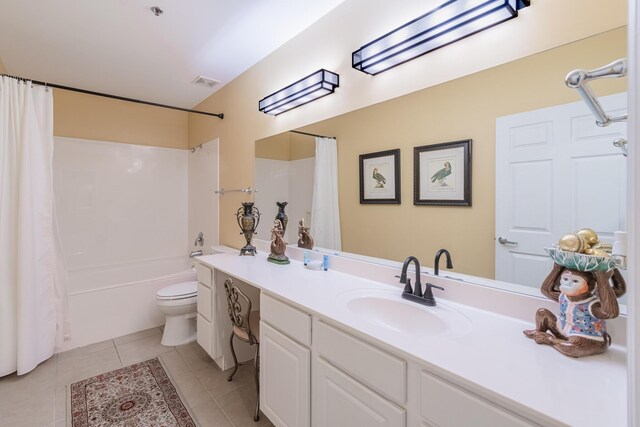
<point>504,241</point>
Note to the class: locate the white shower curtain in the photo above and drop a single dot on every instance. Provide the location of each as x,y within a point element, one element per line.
<point>325,210</point>
<point>31,299</point>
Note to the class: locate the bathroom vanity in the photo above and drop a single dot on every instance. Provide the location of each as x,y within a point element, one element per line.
<point>343,348</point>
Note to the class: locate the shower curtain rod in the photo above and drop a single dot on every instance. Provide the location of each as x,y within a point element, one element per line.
<point>119,98</point>
<point>312,134</point>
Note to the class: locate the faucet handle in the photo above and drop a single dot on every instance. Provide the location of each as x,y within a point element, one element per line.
<point>428,295</point>
<point>429,285</point>
<point>407,287</point>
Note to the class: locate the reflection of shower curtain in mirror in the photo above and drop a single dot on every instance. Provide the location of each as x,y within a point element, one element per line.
<point>325,211</point>
<point>31,293</point>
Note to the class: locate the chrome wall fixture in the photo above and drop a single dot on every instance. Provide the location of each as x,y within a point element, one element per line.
<point>579,80</point>
<point>446,24</point>
<point>314,86</point>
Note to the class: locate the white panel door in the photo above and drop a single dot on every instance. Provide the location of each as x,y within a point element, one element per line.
<point>556,172</point>
<point>285,379</point>
<point>341,401</point>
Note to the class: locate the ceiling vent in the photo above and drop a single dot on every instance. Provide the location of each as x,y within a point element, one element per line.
<point>205,81</point>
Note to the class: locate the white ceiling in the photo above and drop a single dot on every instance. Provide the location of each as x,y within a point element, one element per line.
<point>121,47</point>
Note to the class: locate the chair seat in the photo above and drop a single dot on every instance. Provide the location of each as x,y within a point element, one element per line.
<point>254,325</point>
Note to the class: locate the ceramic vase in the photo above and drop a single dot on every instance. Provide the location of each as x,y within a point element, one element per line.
<point>248,217</point>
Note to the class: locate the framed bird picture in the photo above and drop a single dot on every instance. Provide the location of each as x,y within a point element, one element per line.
<point>380,177</point>
<point>442,174</point>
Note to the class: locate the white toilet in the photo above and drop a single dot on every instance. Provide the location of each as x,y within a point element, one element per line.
<point>178,304</point>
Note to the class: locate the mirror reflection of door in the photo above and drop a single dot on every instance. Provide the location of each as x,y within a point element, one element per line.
<point>556,172</point>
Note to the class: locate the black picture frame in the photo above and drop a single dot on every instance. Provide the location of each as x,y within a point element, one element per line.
<point>373,191</point>
<point>437,184</point>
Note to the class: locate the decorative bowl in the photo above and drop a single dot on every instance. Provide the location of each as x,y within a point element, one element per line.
<point>581,262</point>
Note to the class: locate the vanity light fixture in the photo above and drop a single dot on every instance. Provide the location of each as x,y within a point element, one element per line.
<point>314,86</point>
<point>446,24</point>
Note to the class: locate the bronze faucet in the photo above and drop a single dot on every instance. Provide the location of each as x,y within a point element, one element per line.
<point>436,263</point>
<point>415,294</point>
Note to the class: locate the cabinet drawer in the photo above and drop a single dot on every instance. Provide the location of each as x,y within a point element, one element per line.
<point>293,322</point>
<point>203,333</point>
<point>441,401</point>
<point>204,301</point>
<point>382,371</point>
<point>341,400</point>
<point>204,275</point>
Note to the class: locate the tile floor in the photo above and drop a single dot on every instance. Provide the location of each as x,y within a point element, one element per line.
<point>39,399</point>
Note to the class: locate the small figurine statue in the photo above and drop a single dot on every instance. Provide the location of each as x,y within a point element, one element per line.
<point>587,288</point>
<point>282,216</point>
<point>305,240</point>
<point>278,245</point>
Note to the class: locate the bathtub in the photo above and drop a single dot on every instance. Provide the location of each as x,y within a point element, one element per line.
<point>106,302</point>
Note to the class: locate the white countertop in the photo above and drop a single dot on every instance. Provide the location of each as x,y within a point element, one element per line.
<point>494,358</point>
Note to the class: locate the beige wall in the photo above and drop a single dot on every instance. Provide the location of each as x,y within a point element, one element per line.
<point>329,44</point>
<point>286,146</point>
<point>275,147</point>
<point>78,115</point>
<point>302,146</point>
<point>465,108</point>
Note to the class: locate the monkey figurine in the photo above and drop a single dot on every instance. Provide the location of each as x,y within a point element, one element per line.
<point>586,300</point>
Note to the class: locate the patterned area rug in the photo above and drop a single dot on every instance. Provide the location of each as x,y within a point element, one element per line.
<point>139,395</point>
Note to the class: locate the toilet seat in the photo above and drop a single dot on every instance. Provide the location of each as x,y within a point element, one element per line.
<point>178,291</point>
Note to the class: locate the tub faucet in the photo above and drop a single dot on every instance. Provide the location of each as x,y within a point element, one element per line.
<point>195,253</point>
<point>199,240</point>
<point>436,263</point>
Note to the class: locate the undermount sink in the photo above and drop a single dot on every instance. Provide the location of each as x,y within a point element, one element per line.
<point>387,309</point>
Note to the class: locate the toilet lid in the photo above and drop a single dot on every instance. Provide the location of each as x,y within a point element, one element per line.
<point>179,290</point>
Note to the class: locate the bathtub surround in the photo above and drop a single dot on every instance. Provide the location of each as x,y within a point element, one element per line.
<point>31,290</point>
<point>123,214</point>
<point>119,205</point>
<point>279,180</point>
<point>202,168</point>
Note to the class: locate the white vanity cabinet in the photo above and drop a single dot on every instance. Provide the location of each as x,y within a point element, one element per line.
<point>313,373</point>
<point>444,404</point>
<point>205,308</point>
<point>285,363</point>
<point>354,382</point>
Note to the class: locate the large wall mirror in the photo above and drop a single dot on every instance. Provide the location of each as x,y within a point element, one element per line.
<point>524,103</point>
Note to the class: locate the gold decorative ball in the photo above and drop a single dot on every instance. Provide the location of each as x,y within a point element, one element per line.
<point>597,252</point>
<point>590,236</point>
<point>573,243</point>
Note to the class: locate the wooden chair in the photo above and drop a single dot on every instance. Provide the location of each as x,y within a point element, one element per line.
<point>246,327</point>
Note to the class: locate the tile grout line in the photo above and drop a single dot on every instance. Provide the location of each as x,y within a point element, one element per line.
<point>211,398</point>
<point>117,352</point>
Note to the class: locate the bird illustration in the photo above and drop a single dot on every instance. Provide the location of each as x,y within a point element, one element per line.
<point>381,180</point>
<point>442,174</point>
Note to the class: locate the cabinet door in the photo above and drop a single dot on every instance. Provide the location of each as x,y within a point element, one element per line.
<point>285,379</point>
<point>341,401</point>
